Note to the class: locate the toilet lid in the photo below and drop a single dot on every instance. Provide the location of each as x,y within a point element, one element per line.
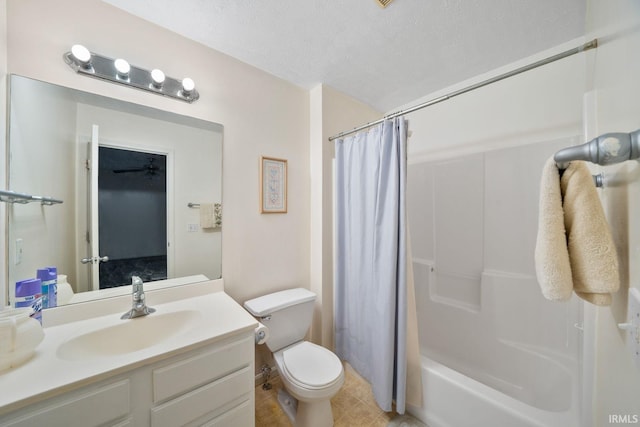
<point>312,365</point>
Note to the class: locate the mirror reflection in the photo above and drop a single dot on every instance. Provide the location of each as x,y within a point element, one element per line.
<point>140,189</point>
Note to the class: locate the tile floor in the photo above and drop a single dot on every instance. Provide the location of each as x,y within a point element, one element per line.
<point>353,406</point>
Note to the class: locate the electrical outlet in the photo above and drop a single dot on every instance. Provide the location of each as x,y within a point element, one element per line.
<point>18,252</point>
<point>192,228</point>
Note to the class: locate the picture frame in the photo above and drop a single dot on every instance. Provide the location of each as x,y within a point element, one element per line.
<point>273,185</point>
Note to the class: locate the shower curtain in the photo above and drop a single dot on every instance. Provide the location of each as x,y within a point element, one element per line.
<point>371,259</point>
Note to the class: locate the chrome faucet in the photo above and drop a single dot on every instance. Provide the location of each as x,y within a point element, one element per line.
<point>139,307</point>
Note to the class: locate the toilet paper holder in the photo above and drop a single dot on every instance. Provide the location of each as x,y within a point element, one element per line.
<point>261,334</point>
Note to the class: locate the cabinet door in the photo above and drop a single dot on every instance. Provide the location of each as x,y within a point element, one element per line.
<point>91,407</point>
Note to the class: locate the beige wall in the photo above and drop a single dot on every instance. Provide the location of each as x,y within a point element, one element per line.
<point>262,115</point>
<point>612,105</point>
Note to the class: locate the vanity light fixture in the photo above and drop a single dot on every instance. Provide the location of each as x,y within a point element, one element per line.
<point>122,68</point>
<point>85,62</point>
<point>158,78</point>
<point>188,85</point>
<point>81,55</point>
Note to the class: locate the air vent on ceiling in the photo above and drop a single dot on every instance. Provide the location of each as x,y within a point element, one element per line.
<point>384,3</point>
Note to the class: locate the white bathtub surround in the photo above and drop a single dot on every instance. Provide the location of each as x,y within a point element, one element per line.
<point>492,344</point>
<point>371,265</point>
<point>583,259</point>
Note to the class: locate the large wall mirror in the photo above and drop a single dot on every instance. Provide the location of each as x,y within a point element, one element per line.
<point>140,189</point>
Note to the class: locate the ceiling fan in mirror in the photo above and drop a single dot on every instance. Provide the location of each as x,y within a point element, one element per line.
<point>150,169</point>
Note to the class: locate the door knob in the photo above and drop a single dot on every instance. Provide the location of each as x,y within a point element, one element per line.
<point>86,260</point>
<point>103,259</point>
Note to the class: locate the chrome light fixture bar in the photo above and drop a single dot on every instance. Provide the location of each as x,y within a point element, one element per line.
<point>82,61</point>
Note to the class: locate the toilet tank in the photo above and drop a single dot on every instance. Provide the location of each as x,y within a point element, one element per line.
<point>287,314</point>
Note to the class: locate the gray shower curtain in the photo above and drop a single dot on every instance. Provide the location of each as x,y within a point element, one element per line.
<point>371,259</point>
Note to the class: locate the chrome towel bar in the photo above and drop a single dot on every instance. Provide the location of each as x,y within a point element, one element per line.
<point>13,197</point>
<point>606,149</point>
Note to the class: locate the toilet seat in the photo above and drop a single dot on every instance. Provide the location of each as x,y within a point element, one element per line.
<point>310,366</point>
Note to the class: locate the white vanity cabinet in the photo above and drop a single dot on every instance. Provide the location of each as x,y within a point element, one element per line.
<point>95,405</point>
<point>212,385</point>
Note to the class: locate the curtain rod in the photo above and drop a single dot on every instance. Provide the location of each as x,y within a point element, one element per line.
<point>586,46</point>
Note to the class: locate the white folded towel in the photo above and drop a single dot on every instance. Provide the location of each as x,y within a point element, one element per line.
<point>207,219</point>
<point>574,248</point>
<point>553,268</point>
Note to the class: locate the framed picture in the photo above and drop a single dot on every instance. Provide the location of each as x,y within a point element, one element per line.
<point>273,185</point>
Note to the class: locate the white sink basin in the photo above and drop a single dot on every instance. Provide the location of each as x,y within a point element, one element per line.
<point>127,336</point>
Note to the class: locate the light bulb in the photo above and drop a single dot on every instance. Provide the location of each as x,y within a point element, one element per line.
<point>81,54</point>
<point>122,67</point>
<point>188,85</point>
<point>157,76</point>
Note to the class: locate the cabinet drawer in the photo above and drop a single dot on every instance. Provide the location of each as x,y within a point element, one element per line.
<point>188,374</point>
<point>93,407</point>
<point>203,400</point>
<point>241,415</point>
<point>126,423</point>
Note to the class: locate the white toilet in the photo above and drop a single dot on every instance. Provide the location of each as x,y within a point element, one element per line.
<point>310,373</point>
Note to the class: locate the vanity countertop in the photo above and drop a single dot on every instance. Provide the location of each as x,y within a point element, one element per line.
<point>48,373</point>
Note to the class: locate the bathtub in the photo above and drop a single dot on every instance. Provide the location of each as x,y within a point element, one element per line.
<point>451,399</point>
<point>496,366</point>
<point>513,360</point>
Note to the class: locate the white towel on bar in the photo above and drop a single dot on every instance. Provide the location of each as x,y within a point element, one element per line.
<point>207,218</point>
<point>574,248</point>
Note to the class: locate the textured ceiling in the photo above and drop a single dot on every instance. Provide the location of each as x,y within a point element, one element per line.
<point>382,57</point>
